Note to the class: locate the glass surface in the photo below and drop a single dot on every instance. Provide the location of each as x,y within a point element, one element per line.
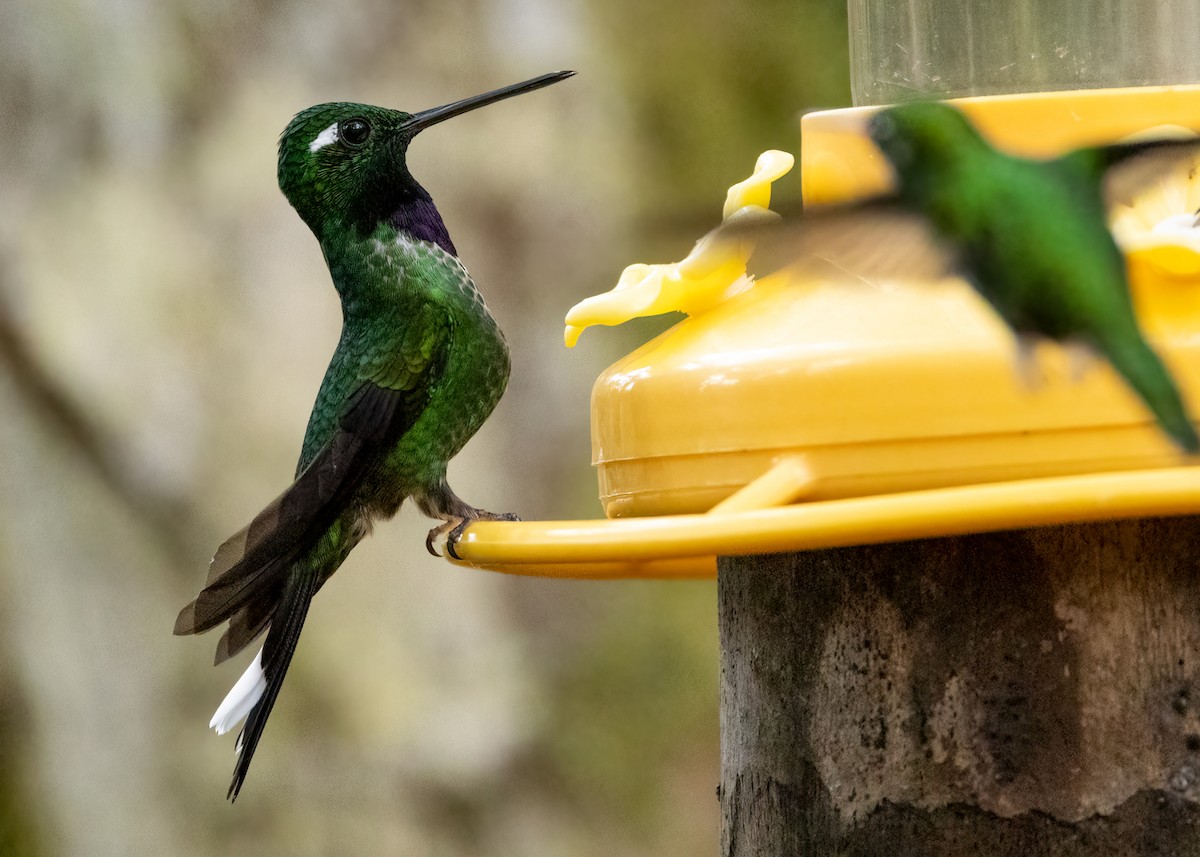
<point>903,49</point>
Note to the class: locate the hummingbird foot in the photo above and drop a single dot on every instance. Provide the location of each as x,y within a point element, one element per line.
<point>453,529</point>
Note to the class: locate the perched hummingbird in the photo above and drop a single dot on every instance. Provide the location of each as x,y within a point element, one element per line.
<point>420,365</point>
<point>1029,235</point>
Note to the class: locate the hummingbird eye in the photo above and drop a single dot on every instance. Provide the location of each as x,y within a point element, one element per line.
<point>354,131</point>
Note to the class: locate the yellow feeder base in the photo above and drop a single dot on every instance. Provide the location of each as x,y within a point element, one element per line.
<point>682,546</point>
<point>894,410</point>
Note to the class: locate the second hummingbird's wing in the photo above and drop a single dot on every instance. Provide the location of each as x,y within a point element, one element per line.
<point>872,239</point>
<point>1128,169</point>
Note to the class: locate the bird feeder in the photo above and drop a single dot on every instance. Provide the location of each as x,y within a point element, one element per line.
<point>959,605</point>
<point>808,410</point>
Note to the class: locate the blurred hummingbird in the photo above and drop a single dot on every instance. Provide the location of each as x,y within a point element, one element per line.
<point>419,366</point>
<point>1029,235</point>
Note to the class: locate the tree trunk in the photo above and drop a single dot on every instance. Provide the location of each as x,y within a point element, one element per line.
<point>1024,693</point>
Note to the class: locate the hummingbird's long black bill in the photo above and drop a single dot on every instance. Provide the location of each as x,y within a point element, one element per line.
<point>434,115</point>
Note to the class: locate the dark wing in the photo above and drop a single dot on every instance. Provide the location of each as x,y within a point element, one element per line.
<point>376,416</point>
<point>258,556</point>
<point>254,561</point>
<point>872,239</point>
<point>1127,169</point>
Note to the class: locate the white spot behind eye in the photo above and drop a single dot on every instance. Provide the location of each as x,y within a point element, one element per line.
<point>329,135</point>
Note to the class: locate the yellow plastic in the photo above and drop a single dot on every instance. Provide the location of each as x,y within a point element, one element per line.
<point>682,546</point>
<point>1158,230</point>
<point>886,386</point>
<point>714,271</point>
<point>891,410</point>
<point>838,162</point>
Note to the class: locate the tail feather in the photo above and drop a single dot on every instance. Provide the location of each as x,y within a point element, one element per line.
<point>287,620</point>
<point>241,699</point>
<point>1149,378</point>
<point>232,592</point>
<point>245,626</point>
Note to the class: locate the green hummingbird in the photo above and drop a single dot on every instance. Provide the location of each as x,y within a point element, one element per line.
<point>1029,235</point>
<point>419,366</point>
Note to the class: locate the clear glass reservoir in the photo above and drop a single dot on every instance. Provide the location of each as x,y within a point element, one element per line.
<point>903,49</point>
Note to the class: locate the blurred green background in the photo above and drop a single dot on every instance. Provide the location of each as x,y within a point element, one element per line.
<point>165,319</point>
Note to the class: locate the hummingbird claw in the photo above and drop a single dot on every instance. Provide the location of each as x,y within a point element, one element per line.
<point>437,532</point>
<point>455,535</point>
<point>454,529</point>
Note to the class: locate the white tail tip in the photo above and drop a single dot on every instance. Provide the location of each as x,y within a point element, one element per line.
<point>243,697</point>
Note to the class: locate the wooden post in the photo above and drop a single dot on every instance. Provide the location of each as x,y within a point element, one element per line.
<point>1024,693</point>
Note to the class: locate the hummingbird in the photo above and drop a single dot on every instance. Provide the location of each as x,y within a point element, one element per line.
<point>1029,235</point>
<point>419,366</point>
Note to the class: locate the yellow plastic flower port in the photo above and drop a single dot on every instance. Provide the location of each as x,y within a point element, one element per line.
<point>1158,229</point>
<point>714,271</point>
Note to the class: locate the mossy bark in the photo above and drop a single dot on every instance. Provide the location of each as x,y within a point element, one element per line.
<point>1023,693</point>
